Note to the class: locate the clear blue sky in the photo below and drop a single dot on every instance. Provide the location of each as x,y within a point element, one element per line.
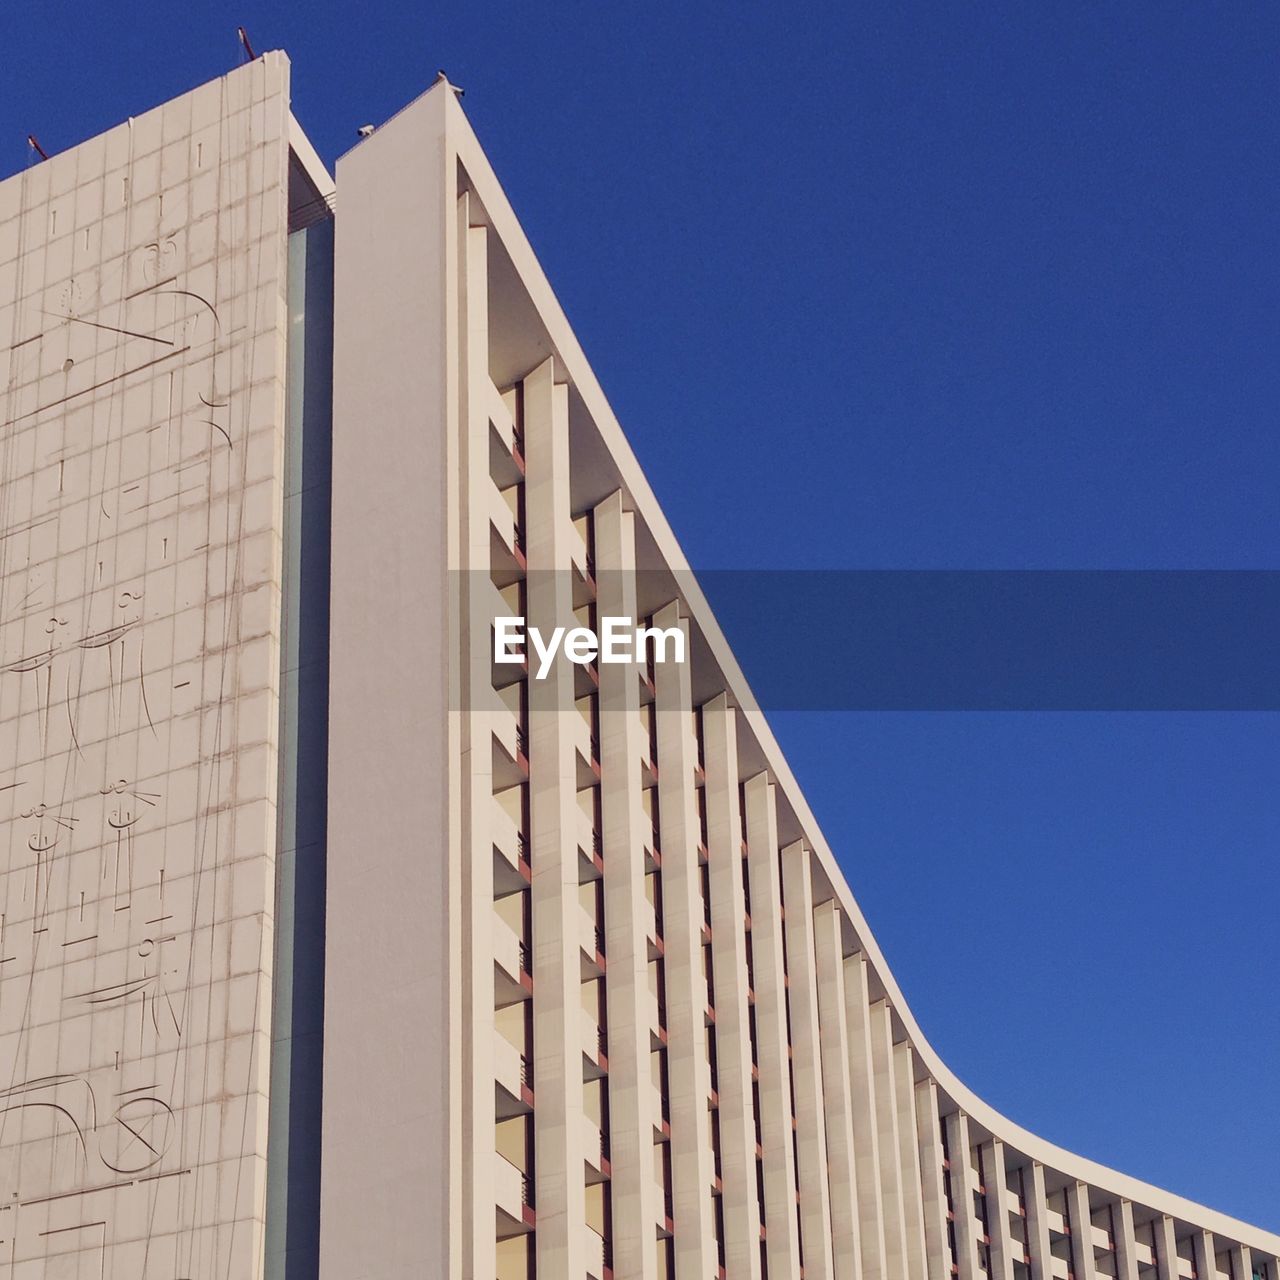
<point>909,286</point>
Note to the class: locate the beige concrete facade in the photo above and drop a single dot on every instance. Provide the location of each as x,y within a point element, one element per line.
<point>598,1001</point>
<point>142,307</point>
<point>749,1095</point>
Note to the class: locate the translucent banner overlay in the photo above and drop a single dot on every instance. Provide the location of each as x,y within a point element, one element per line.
<point>943,640</point>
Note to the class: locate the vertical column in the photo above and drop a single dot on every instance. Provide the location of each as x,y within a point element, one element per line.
<point>828,937</point>
<point>297,1031</point>
<point>733,1015</point>
<point>1166,1249</point>
<point>1206,1255</point>
<point>558,1131</point>
<point>1125,1241</point>
<point>477,1154</point>
<point>811,1136</point>
<point>866,1143</point>
<point>1038,1243</point>
<point>964,1187</point>
<point>895,1237</point>
<point>626,911</point>
<point>781,1243</point>
<point>993,1178</point>
<point>1241,1262</point>
<point>933,1188</point>
<point>392,1121</point>
<point>904,1085</point>
<point>1083,1262</point>
<point>688,1069</point>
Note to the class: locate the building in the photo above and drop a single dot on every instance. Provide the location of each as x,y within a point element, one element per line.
<point>329,945</point>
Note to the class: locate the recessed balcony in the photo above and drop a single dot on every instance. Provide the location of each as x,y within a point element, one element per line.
<point>506,451</point>
<point>512,1079</point>
<point>595,1057</point>
<point>584,569</point>
<point>657,1029</point>
<point>510,762</point>
<point>590,849</point>
<point>512,976</point>
<point>599,1256</point>
<point>512,1195</point>
<point>595,1152</point>
<point>510,852</point>
<point>661,1122</point>
<point>507,561</point>
<point>591,946</point>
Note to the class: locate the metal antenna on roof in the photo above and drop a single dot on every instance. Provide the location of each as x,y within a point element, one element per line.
<point>440,75</point>
<point>244,40</point>
<point>34,143</point>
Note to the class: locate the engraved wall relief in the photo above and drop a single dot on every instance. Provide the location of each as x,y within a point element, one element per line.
<point>141,410</point>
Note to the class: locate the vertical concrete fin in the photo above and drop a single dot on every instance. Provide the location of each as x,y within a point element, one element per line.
<point>628,918</point>
<point>866,1141</point>
<point>559,1130</point>
<point>687,1004</point>
<point>1038,1244</point>
<point>477,1154</point>
<point>895,1236</point>
<point>963,1181</point>
<point>781,1240</point>
<point>1166,1242</point>
<point>811,1135</point>
<point>741,1206</point>
<point>1126,1243</point>
<point>909,1160</point>
<point>998,1228</point>
<point>395,915</point>
<point>1206,1255</point>
<point>828,928</point>
<point>932,1181</point>
<point>1083,1258</point>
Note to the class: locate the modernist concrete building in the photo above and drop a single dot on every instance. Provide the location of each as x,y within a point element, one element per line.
<point>331,946</point>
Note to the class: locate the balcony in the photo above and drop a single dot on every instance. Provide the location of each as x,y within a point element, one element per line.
<point>599,1256</point>
<point>591,944</point>
<point>506,537</point>
<point>666,1223</point>
<point>587,751</point>
<point>584,569</point>
<point>648,759</point>
<point>512,979</point>
<point>657,1027</point>
<point>594,1048</point>
<point>506,453</point>
<point>510,855</point>
<point>487,608</point>
<point>595,1152</point>
<point>590,847</point>
<point>510,761</point>
<point>653,843</point>
<point>512,1195</point>
<point>661,1122</point>
<point>512,1078</point>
